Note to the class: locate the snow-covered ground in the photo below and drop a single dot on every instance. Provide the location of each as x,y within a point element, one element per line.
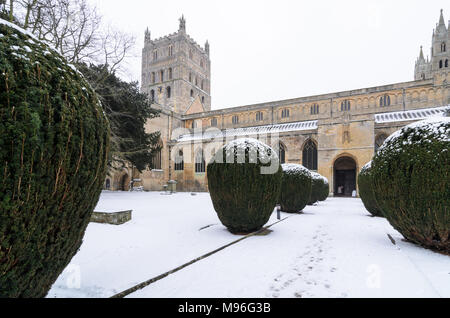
<point>334,249</point>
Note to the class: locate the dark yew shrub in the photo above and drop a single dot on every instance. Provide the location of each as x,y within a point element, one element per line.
<point>54,140</point>
<point>243,184</point>
<point>295,188</point>
<point>412,183</point>
<point>325,192</point>
<point>365,184</point>
<point>317,188</point>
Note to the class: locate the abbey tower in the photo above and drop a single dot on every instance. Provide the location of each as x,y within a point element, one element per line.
<point>176,71</point>
<point>438,66</point>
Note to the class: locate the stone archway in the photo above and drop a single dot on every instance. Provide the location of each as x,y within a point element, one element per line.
<point>124,183</point>
<point>344,177</point>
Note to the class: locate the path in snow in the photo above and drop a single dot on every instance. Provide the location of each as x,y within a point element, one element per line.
<point>334,249</point>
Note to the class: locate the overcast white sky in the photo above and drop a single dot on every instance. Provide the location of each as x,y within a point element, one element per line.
<point>264,51</point>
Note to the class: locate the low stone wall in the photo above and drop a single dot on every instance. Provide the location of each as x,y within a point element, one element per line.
<point>116,218</point>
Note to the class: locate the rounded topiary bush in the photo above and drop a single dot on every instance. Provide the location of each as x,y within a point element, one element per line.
<point>365,184</point>
<point>317,188</point>
<point>325,191</point>
<point>54,140</point>
<point>295,188</point>
<point>244,180</point>
<point>412,183</point>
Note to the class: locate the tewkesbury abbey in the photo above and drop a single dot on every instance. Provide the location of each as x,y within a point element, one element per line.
<point>335,134</point>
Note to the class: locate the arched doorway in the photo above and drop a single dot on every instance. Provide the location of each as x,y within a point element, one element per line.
<point>124,183</point>
<point>344,177</point>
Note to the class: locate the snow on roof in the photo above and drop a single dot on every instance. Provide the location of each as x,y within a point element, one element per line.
<point>410,115</point>
<point>249,131</point>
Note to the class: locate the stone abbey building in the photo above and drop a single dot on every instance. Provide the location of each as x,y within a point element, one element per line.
<point>335,134</point>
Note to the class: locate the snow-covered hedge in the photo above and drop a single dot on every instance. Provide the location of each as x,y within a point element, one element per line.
<point>295,188</point>
<point>318,188</point>
<point>243,190</point>
<point>411,177</point>
<point>54,141</point>
<point>366,190</point>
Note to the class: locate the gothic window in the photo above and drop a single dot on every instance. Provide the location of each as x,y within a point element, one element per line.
<point>203,99</point>
<point>168,92</point>
<point>282,153</point>
<point>153,77</point>
<point>385,101</point>
<point>170,73</point>
<point>179,161</point>
<point>235,120</point>
<point>196,81</point>
<point>443,47</point>
<point>259,116</point>
<point>379,141</point>
<point>200,164</point>
<point>440,64</point>
<point>192,93</point>
<point>156,160</point>
<point>345,105</point>
<point>423,76</point>
<point>170,50</point>
<point>214,122</point>
<point>285,113</point>
<point>314,109</point>
<point>152,95</point>
<point>310,155</point>
<point>161,76</point>
<point>446,63</point>
<point>155,55</point>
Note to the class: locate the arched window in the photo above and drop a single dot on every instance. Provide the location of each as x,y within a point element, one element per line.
<point>446,63</point>
<point>200,164</point>
<point>310,155</point>
<point>155,55</point>
<point>440,64</point>
<point>345,106</point>
<point>108,184</point>
<point>379,140</point>
<point>235,120</point>
<point>161,76</point>
<point>196,81</point>
<point>285,113</point>
<point>314,109</point>
<point>443,47</point>
<point>282,153</point>
<point>170,73</point>
<point>153,77</point>
<point>170,50</point>
<point>168,92</point>
<point>203,99</point>
<point>192,93</point>
<point>179,161</point>
<point>156,160</point>
<point>259,116</point>
<point>152,95</point>
<point>214,122</point>
<point>385,101</point>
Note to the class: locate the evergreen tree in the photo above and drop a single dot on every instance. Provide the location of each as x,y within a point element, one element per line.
<point>128,111</point>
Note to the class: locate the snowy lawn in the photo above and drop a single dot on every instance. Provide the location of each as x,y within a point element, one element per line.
<point>334,249</point>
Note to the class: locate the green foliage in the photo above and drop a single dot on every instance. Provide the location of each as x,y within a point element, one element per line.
<point>365,184</point>
<point>412,183</point>
<point>54,140</point>
<point>295,188</point>
<point>243,196</point>
<point>128,111</point>
<point>317,188</point>
<point>325,190</point>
